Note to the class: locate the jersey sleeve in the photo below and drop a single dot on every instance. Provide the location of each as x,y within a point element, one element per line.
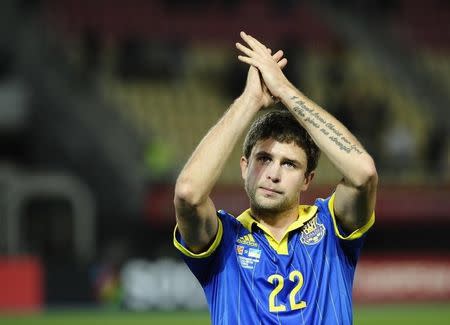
<point>350,243</point>
<point>358,233</point>
<point>204,264</point>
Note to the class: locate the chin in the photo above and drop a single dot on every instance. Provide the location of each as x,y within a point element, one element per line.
<point>269,205</point>
<point>263,203</point>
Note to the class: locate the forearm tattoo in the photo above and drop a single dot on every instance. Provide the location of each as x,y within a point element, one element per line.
<point>310,116</point>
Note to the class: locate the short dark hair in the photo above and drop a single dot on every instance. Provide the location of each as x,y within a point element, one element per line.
<point>282,126</point>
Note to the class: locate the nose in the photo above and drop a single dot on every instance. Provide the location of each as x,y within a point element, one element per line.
<point>273,173</point>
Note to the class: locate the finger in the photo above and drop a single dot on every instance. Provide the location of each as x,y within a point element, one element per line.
<point>253,42</point>
<point>248,60</point>
<point>244,49</point>
<point>269,50</point>
<point>282,63</point>
<point>277,56</point>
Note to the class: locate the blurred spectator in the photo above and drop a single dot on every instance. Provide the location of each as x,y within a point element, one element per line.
<point>435,151</point>
<point>335,77</point>
<point>105,274</point>
<point>14,108</point>
<point>400,149</point>
<point>367,118</point>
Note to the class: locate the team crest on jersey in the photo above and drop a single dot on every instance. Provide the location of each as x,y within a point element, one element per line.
<point>312,232</point>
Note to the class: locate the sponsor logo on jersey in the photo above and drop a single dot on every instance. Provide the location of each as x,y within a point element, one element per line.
<point>247,240</point>
<point>312,232</point>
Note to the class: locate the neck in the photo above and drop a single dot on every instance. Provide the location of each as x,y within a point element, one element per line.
<point>276,222</point>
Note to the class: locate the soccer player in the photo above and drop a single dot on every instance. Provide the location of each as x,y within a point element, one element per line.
<point>278,262</point>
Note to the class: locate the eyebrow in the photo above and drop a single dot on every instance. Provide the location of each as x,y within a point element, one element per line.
<point>265,153</point>
<point>262,153</point>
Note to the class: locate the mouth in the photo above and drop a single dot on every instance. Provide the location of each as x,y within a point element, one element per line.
<point>270,190</point>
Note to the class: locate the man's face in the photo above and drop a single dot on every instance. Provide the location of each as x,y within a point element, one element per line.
<point>274,175</point>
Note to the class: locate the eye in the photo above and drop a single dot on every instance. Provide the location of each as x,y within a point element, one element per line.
<point>289,164</point>
<point>264,159</point>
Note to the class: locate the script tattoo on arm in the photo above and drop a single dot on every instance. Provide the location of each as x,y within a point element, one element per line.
<point>310,116</point>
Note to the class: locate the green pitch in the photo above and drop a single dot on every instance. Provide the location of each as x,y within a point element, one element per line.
<point>365,315</point>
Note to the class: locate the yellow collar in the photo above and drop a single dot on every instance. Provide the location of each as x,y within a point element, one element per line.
<point>305,213</point>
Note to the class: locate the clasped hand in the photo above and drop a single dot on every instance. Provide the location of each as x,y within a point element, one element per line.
<point>260,57</point>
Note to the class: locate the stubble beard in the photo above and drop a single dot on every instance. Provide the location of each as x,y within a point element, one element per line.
<point>267,206</point>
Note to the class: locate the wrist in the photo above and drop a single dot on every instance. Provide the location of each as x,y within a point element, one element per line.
<point>251,102</point>
<point>286,90</point>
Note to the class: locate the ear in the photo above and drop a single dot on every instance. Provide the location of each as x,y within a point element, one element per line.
<point>244,166</point>
<point>308,180</point>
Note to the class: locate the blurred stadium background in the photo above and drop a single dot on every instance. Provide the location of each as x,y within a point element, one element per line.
<point>101,103</point>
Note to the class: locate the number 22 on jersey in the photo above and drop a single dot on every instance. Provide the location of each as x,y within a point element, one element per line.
<point>278,280</point>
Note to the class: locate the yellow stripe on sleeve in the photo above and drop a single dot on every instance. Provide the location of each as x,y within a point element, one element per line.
<point>358,232</point>
<point>205,254</point>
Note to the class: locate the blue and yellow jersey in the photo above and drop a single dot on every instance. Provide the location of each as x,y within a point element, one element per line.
<point>306,278</point>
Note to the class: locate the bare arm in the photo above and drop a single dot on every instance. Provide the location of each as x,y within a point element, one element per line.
<point>195,211</point>
<point>356,194</point>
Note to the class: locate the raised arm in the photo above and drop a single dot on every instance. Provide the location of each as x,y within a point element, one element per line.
<point>355,195</point>
<point>195,211</point>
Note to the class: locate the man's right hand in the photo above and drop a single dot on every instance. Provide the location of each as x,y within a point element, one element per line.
<point>255,89</point>
<point>258,55</point>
